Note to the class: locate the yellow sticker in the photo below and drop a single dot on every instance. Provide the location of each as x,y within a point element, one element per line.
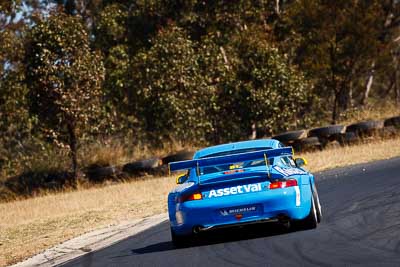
<point>235,166</point>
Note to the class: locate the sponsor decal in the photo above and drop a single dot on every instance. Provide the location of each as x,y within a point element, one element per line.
<point>240,189</point>
<point>289,171</point>
<point>230,211</point>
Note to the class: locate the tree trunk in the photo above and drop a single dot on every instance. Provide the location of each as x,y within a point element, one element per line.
<point>341,102</point>
<point>277,8</point>
<point>351,86</point>
<point>396,89</point>
<point>368,86</point>
<point>335,109</point>
<point>344,99</point>
<point>73,147</point>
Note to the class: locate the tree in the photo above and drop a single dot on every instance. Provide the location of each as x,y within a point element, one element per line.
<point>169,89</point>
<point>218,65</point>
<point>275,95</point>
<point>64,78</point>
<point>337,43</point>
<point>15,124</point>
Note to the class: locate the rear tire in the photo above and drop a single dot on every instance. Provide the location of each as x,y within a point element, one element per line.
<point>311,221</point>
<point>286,225</point>
<point>180,241</point>
<point>317,205</point>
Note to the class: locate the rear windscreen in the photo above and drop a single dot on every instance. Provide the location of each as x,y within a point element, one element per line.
<point>234,167</point>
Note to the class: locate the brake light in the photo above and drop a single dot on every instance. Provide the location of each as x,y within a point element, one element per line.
<point>283,184</point>
<point>194,196</point>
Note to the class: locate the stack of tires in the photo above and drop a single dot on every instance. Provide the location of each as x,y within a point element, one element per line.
<point>365,129</point>
<point>335,135</point>
<point>156,165</point>
<point>314,139</point>
<point>301,140</point>
<point>328,135</point>
<point>97,174</point>
<point>391,127</point>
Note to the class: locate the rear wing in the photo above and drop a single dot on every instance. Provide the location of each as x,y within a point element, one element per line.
<point>213,161</point>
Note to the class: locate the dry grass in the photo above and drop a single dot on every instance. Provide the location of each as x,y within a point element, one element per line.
<point>119,151</point>
<point>344,156</point>
<point>373,111</point>
<point>35,224</point>
<point>30,226</point>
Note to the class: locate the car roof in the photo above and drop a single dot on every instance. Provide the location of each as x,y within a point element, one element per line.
<point>260,143</point>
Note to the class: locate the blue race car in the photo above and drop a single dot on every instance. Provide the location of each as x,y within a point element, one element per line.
<point>238,184</point>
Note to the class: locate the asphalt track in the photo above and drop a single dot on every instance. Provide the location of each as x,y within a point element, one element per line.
<point>361,227</point>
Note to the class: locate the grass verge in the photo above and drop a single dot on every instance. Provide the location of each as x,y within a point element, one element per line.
<point>32,225</point>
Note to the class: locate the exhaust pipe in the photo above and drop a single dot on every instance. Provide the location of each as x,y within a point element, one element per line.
<point>284,220</point>
<point>196,229</point>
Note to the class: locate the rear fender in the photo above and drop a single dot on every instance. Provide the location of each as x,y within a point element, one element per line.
<point>172,207</point>
<point>306,195</point>
<point>305,179</point>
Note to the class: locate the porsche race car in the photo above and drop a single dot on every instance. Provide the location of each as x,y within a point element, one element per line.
<point>241,183</point>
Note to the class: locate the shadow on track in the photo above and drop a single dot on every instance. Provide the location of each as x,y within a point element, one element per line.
<point>220,236</point>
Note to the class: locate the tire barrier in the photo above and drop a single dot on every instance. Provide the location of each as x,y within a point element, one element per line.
<point>365,127</point>
<point>347,138</point>
<point>146,165</point>
<point>302,141</point>
<point>290,137</point>
<point>100,173</point>
<point>178,156</point>
<point>393,121</point>
<point>334,135</point>
<point>327,131</point>
<point>29,184</point>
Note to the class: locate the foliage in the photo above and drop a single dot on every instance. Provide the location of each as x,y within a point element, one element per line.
<point>15,122</point>
<point>277,95</point>
<point>64,77</point>
<point>338,44</point>
<point>202,72</point>
<point>253,84</point>
<point>169,89</point>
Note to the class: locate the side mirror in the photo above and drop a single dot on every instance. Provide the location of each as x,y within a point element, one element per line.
<point>181,179</point>
<point>300,162</point>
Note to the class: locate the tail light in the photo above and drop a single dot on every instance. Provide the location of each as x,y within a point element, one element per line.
<point>194,196</point>
<point>283,184</point>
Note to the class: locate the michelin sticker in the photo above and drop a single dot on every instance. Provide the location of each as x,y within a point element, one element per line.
<point>240,189</point>
<point>289,172</point>
<point>226,212</point>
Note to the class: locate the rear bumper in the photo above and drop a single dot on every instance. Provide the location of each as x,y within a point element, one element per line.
<point>272,206</point>
<point>198,229</point>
